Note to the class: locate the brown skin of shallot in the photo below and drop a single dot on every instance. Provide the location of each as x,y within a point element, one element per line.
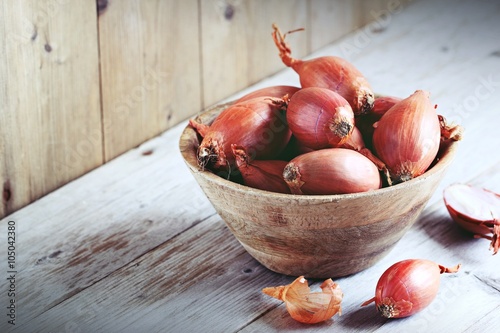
<point>407,137</point>
<point>319,118</point>
<point>305,306</point>
<point>330,72</point>
<point>262,174</point>
<point>271,91</point>
<point>407,287</point>
<point>331,171</point>
<point>475,209</point>
<point>258,125</point>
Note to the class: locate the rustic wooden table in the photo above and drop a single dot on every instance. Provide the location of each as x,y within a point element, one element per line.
<point>135,246</point>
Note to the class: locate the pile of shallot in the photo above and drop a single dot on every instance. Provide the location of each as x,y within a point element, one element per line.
<point>332,135</point>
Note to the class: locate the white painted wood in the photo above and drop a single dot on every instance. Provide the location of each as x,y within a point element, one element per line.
<point>149,253</point>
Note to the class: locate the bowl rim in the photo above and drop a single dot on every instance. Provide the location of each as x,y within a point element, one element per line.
<point>446,154</point>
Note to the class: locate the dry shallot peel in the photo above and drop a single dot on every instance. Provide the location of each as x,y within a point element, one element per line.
<point>306,306</point>
<point>450,131</point>
<point>475,209</point>
<point>407,287</point>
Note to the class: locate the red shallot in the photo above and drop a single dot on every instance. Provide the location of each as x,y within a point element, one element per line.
<point>407,137</point>
<point>407,287</point>
<point>319,118</point>
<point>261,174</point>
<point>331,171</point>
<point>258,125</point>
<point>330,72</point>
<point>272,91</point>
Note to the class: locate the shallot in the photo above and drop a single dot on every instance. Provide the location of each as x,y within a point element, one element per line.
<point>475,209</point>
<point>407,287</point>
<point>258,125</point>
<point>330,72</point>
<point>261,174</point>
<point>271,91</point>
<point>407,137</point>
<point>319,118</point>
<point>331,171</point>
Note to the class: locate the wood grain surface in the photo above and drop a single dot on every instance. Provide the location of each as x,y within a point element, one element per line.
<point>136,246</point>
<point>50,120</point>
<point>79,86</point>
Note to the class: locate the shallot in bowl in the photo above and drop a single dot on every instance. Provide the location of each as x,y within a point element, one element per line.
<point>316,236</point>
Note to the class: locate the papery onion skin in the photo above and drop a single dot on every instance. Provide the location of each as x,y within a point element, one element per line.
<point>271,91</point>
<point>407,137</point>
<point>330,72</point>
<point>319,118</point>
<point>331,171</point>
<point>261,174</point>
<point>305,306</point>
<point>475,209</point>
<point>258,125</point>
<point>407,287</point>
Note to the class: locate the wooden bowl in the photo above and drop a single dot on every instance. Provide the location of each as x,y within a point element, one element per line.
<point>318,236</point>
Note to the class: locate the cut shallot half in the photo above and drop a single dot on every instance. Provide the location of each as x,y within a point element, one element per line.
<point>476,210</point>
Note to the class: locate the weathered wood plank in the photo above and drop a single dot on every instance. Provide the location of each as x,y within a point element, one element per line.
<point>50,128</point>
<point>81,233</point>
<point>216,269</point>
<point>204,275</point>
<point>150,69</point>
<point>237,47</point>
<point>329,20</point>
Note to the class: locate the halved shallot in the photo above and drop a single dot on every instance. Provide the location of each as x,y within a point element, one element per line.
<point>475,209</point>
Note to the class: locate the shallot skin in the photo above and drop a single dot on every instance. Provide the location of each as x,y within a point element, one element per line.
<point>407,137</point>
<point>407,287</point>
<point>331,171</point>
<point>305,306</point>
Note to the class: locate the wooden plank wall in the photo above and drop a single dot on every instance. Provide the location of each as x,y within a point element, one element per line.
<point>78,88</point>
